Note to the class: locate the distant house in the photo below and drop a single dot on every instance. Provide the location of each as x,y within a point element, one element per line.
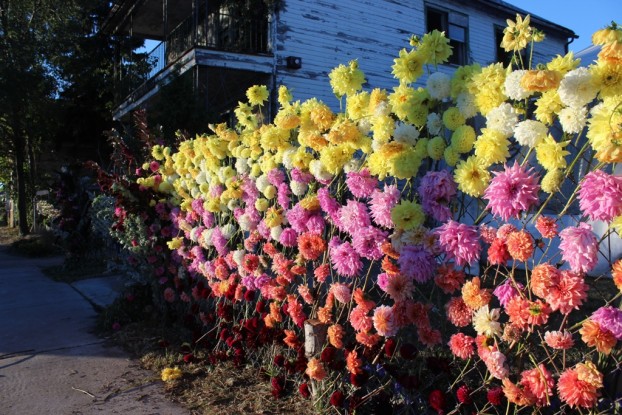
<point>224,48</point>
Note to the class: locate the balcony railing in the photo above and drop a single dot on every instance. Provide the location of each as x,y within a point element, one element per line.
<point>218,30</point>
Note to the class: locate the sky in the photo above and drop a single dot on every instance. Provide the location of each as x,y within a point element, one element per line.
<point>584,17</point>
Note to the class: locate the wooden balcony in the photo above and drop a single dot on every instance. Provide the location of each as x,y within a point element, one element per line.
<point>215,38</point>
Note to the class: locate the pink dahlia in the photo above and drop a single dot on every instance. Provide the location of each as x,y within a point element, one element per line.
<point>417,263</point>
<point>488,233</point>
<point>462,345</point>
<point>361,184</point>
<point>384,321</point>
<point>498,252</point>
<point>458,313</point>
<point>578,388</point>
<point>546,226</point>
<point>381,203</point>
<point>345,260</point>
<point>496,364</point>
<point>297,217</point>
<point>539,382</point>
<point>354,216</point>
<point>600,196</point>
<point>506,291</point>
<point>560,340</point>
<point>436,190</point>
<point>459,241</point>
<point>579,247</point>
<point>342,292</point>
<point>399,287</point>
<point>328,204</point>
<point>512,191</point>
<point>567,293</point>
<point>368,241</point>
<point>282,196</point>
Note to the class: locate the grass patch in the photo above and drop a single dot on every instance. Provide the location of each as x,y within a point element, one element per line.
<point>36,245</point>
<point>76,270</point>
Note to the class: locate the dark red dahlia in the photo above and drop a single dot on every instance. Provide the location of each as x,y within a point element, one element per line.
<point>389,347</point>
<point>304,390</point>
<point>337,399</point>
<point>495,395</point>
<point>463,394</point>
<point>436,399</point>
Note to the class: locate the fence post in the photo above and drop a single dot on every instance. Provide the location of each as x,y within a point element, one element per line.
<point>315,338</point>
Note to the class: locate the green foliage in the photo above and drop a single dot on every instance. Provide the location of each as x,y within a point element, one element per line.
<point>56,89</point>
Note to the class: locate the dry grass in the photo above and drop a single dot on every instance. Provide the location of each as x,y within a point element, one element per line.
<point>206,388</point>
<point>8,236</point>
<point>227,389</point>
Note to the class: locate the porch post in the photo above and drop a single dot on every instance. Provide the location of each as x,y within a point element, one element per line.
<point>165,28</point>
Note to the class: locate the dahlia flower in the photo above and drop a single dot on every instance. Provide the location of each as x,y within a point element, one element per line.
<point>579,386</point>
<point>417,263</point>
<point>512,191</point>
<point>502,118</point>
<point>353,216</point>
<point>539,382</point>
<point>458,313</point>
<point>459,241</point>
<point>520,245</point>
<point>448,278</point>
<point>579,247</point>
<point>361,184</point>
<point>474,296</point>
<point>381,203</point>
<point>609,318</point>
<point>530,133</point>
<point>367,242</point>
<point>345,259</point>
<point>567,293</point>
<point>561,340</point>
<point>600,196</point>
<point>436,192</point>
<point>384,321</point>
<point>504,292</point>
<point>573,119</point>
<point>577,88</point>
<point>546,226</point>
<point>485,321</point>
<point>597,336</point>
<point>461,345</point>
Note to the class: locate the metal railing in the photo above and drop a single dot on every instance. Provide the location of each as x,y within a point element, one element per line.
<point>217,30</point>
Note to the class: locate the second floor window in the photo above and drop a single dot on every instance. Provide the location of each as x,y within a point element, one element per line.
<point>456,27</point>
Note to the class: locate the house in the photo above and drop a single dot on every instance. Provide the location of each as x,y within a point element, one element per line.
<point>226,46</point>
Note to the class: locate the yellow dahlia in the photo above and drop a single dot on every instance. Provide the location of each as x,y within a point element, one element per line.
<point>472,177</point>
<point>409,66</point>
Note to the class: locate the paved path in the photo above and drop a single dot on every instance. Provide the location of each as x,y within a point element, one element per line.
<point>51,362</point>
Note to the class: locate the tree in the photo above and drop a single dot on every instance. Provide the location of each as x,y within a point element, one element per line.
<point>55,84</point>
<point>31,33</point>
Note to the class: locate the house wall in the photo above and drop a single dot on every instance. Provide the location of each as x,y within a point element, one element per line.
<point>327,33</point>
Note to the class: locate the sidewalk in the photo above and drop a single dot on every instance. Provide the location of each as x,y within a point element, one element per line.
<point>51,362</point>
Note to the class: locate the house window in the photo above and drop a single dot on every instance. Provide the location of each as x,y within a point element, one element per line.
<point>456,28</point>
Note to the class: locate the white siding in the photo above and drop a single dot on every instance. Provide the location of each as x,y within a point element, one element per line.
<point>327,33</point>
